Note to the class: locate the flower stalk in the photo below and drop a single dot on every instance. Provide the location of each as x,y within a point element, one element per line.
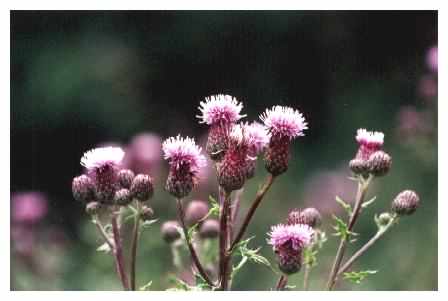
<point>118,251</point>
<point>135,236</point>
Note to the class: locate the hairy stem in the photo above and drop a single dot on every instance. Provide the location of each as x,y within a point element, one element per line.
<point>281,283</point>
<point>134,244</point>
<point>224,256</point>
<point>260,194</point>
<point>194,256</point>
<point>118,251</point>
<point>366,246</point>
<point>360,195</point>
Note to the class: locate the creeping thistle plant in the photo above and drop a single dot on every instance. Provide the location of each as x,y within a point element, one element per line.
<point>217,248</point>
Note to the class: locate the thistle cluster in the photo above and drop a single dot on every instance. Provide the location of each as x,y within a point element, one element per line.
<point>106,184</point>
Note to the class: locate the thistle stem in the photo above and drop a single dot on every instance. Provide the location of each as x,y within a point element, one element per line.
<point>224,256</point>
<point>103,233</point>
<point>194,256</point>
<point>260,194</point>
<point>282,282</point>
<point>360,195</point>
<point>366,246</point>
<point>118,251</point>
<point>134,244</point>
<point>306,277</point>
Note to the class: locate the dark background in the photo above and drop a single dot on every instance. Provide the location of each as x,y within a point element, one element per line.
<point>79,79</point>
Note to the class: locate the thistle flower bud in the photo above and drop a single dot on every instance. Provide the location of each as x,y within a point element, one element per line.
<point>405,203</point>
<point>311,217</point>
<point>92,208</point>
<point>122,197</point>
<point>179,184</point>
<point>250,168</point>
<point>358,166</point>
<point>209,229</point>
<point>170,232</point>
<point>384,219</point>
<point>291,266</point>
<point>379,163</point>
<point>277,156</point>
<point>83,189</point>
<point>146,213</point>
<point>142,188</point>
<point>196,210</point>
<point>125,177</point>
<point>216,142</point>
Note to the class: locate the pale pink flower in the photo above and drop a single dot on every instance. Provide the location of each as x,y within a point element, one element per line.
<point>144,154</point>
<point>220,109</point>
<point>284,122</point>
<point>99,157</point>
<point>297,236</point>
<point>181,151</point>
<point>258,137</point>
<point>369,142</point>
<point>28,207</point>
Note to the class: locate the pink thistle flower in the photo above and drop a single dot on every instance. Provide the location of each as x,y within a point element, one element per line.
<point>288,242</point>
<point>102,166</point>
<point>369,142</point>
<point>284,121</point>
<point>144,154</point>
<point>218,109</point>
<point>28,207</point>
<point>284,124</point>
<point>432,59</point>
<point>258,137</point>
<point>185,160</point>
<point>220,112</point>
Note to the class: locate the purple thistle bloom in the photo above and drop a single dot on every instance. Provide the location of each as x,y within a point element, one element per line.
<point>219,109</point>
<point>28,207</point>
<point>369,142</point>
<point>284,122</point>
<point>288,242</point>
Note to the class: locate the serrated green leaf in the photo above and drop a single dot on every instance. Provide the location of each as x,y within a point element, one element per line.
<point>342,229</point>
<point>358,277</point>
<point>344,205</point>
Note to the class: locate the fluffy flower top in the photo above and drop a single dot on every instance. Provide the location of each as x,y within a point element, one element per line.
<point>369,139</point>
<point>284,121</point>
<point>298,235</point>
<point>258,136</point>
<point>183,151</point>
<point>102,156</point>
<point>220,109</point>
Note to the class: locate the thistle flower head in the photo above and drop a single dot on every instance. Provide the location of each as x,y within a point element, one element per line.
<point>220,109</point>
<point>181,151</point>
<point>369,138</point>
<point>258,136</point>
<point>297,236</point>
<point>102,156</point>
<point>284,121</point>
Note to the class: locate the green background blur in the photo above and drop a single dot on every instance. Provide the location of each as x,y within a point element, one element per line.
<point>79,79</point>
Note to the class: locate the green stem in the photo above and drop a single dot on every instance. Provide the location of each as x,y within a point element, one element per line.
<point>362,191</point>
<point>134,244</point>
<point>366,246</point>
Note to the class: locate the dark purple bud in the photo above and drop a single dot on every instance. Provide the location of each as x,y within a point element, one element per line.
<point>405,203</point>
<point>142,187</point>
<point>83,189</point>
<point>125,177</point>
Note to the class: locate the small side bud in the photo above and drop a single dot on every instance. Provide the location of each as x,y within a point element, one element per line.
<point>146,213</point>
<point>209,229</point>
<point>142,188</point>
<point>311,217</point>
<point>92,208</point>
<point>359,166</point>
<point>83,189</point>
<point>379,163</point>
<point>405,203</point>
<point>196,210</point>
<point>122,197</point>
<point>170,231</point>
<point>125,177</point>
<point>384,219</point>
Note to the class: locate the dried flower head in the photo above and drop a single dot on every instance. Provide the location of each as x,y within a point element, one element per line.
<point>288,242</point>
<point>220,109</point>
<point>185,160</point>
<point>284,121</point>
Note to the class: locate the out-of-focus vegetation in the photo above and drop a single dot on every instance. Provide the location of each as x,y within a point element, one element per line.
<point>83,79</point>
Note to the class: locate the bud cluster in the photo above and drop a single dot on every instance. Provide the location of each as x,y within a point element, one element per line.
<point>105,183</point>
